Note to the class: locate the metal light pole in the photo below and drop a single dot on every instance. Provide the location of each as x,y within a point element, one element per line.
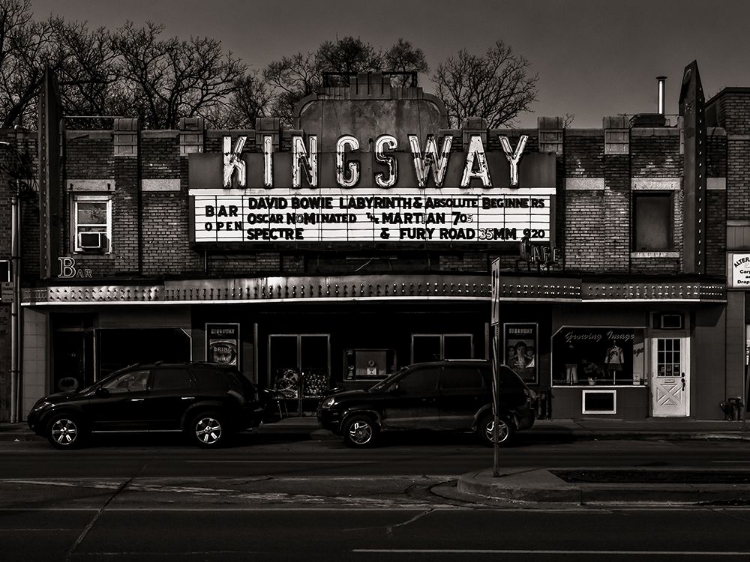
<point>18,189</point>
<point>496,361</point>
<point>15,316</point>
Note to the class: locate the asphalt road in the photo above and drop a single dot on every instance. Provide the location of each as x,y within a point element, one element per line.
<point>372,534</point>
<point>290,498</point>
<point>291,455</point>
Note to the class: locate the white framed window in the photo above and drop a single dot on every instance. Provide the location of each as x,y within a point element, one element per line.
<point>599,402</point>
<point>91,223</point>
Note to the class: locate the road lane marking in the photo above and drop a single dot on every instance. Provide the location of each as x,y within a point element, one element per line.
<point>284,461</point>
<point>540,551</point>
<point>91,484</point>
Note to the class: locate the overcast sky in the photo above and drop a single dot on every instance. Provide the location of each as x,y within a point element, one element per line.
<point>593,57</point>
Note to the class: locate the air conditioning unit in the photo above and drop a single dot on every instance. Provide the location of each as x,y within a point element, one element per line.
<point>92,240</point>
<point>670,321</point>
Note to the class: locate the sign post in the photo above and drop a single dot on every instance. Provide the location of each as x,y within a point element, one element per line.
<point>496,366</point>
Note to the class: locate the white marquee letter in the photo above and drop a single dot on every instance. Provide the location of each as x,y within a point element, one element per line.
<point>308,161</point>
<point>233,161</point>
<point>353,167</point>
<point>386,142</point>
<point>430,160</point>
<point>513,156</point>
<point>476,152</point>
<point>268,161</point>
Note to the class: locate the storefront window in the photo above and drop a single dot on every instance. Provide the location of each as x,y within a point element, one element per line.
<point>435,347</point>
<point>369,364</point>
<point>598,356</point>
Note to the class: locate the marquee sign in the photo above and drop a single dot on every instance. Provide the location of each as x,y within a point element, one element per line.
<point>426,195</point>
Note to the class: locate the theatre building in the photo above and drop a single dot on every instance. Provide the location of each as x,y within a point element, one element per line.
<point>370,236</point>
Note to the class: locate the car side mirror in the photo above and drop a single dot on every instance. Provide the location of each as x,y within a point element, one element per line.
<point>395,389</point>
<point>102,392</point>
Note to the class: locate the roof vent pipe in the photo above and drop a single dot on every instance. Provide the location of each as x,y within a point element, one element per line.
<point>662,80</point>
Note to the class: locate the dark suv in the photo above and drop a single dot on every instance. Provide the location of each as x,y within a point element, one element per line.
<point>205,400</point>
<point>443,395</point>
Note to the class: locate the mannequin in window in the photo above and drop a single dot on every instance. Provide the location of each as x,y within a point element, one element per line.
<point>571,364</point>
<point>614,359</point>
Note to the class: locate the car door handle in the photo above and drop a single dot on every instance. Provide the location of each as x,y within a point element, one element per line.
<point>429,400</point>
<point>136,399</point>
<point>188,397</point>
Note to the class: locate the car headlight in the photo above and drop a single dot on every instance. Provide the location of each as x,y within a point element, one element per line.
<point>41,405</point>
<point>329,402</point>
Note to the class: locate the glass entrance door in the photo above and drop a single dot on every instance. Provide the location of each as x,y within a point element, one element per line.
<point>299,361</point>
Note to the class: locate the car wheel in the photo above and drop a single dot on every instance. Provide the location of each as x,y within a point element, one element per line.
<point>65,431</point>
<point>486,429</point>
<point>207,429</point>
<point>359,431</point>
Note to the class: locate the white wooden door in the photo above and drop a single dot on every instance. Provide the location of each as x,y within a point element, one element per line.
<point>670,388</point>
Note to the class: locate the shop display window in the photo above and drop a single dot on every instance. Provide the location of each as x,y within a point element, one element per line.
<point>369,364</point>
<point>598,356</point>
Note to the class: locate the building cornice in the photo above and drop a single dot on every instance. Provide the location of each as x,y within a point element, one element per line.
<point>512,287</point>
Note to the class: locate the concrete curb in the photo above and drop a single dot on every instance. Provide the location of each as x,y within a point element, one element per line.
<point>537,486</point>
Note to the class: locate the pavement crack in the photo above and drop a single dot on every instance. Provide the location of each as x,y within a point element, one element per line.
<point>389,528</point>
<point>100,512</point>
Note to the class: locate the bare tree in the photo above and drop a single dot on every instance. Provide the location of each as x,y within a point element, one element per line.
<point>249,101</point>
<point>496,86</point>
<point>348,55</point>
<point>89,78</point>
<point>168,79</point>
<point>291,79</point>
<point>403,57</point>
<point>27,47</point>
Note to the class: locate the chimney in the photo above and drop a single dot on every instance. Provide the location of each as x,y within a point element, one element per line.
<point>661,80</point>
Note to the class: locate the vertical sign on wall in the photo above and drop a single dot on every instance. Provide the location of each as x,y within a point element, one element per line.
<point>49,176</point>
<point>692,110</point>
<point>223,344</point>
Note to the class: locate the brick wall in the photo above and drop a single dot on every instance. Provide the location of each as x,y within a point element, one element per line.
<point>593,224</point>
<point>584,231</point>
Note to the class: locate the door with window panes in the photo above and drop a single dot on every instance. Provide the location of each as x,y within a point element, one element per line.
<point>670,362</point>
<point>299,361</point>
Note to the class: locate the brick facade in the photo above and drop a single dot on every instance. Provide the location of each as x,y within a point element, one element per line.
<point>151,228</point>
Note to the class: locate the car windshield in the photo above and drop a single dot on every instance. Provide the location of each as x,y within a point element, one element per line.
<point>107,378</point>
<point>385,383</point>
